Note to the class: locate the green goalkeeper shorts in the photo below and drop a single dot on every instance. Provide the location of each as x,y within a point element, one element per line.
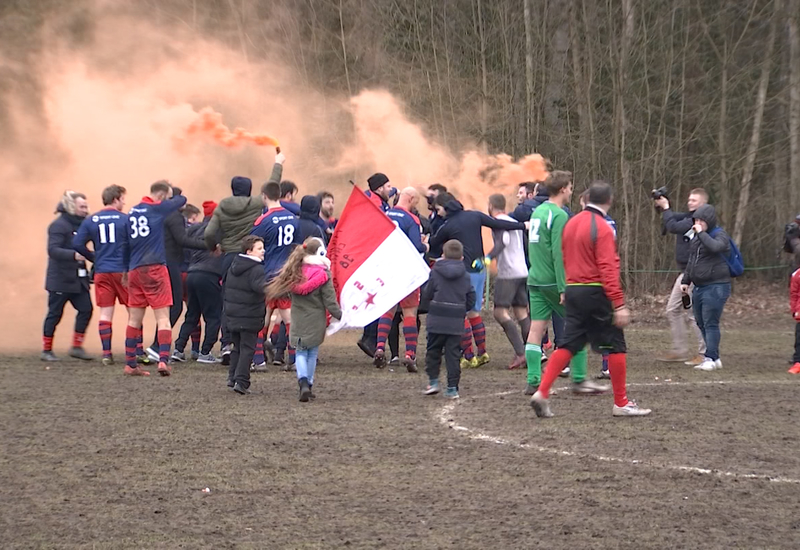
<point>544,301</point>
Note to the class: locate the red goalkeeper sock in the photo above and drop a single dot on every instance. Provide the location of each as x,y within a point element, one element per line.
<point>617,369</point>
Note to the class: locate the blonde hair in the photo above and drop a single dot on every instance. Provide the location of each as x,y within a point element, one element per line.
<point>68,201</point>
<point>292,272</point>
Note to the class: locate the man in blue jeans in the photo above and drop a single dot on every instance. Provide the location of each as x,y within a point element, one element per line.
<point>708,270</point>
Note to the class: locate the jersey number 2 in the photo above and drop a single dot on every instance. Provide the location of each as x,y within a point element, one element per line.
<point>285,235</point>
<point>533,232</point>
<point>139,227</point>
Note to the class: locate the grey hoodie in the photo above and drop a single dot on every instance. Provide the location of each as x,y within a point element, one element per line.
<point>707,263</point>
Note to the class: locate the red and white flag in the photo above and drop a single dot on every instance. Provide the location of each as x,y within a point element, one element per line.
<point>374,264</point>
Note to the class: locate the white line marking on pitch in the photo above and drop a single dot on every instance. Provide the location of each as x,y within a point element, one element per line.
<point>447,411</point>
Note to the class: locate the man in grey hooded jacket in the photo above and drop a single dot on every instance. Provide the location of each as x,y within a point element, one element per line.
<point>232,221</point>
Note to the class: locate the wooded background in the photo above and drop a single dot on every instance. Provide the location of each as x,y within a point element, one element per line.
<point>644,93</point>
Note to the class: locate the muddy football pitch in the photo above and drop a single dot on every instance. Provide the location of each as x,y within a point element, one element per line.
<point>92,459</point>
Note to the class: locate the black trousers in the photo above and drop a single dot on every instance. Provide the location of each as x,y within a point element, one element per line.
<point>244,346</point>
<point>797,342</point>
<point>176,282</point>
<point>205,298</point>
<point>450,345</point>
<point>56,301</point>
<point>590,318</point>
<point>227,260</point>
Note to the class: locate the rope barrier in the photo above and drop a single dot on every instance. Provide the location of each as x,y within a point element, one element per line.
<point>760,268</point>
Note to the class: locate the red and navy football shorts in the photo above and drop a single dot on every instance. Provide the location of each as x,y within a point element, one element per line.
<point>184,275</point>
<point>149,285</point>
<point>108,289</point>
<point>285,302</point>
<point>412,300</point>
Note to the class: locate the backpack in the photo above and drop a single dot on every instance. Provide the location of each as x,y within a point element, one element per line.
<point>734,258</point>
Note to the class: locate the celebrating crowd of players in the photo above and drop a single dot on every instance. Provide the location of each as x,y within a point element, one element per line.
<point>164,252</point>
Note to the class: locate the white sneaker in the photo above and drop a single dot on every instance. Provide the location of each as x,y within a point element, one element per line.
<point>153,354</point>
<point>631,409</point>
<point>540,405</point>
<point>718,364</point>
<point>564,373</point>
<point>707,365</point>
<point>589,387</point>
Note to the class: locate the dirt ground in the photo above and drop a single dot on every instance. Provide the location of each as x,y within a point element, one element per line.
<point>93,459</point>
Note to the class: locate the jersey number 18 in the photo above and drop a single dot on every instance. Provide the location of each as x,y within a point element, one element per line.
<point>285,235</point>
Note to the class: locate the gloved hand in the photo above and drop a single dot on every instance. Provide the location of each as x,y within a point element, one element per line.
<point>280,158</point>
<point>481,263</point>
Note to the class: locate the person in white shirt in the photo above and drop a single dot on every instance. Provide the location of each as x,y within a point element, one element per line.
<point>510,290</point>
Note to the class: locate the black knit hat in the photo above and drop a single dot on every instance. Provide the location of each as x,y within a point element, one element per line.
<point>376,181</point>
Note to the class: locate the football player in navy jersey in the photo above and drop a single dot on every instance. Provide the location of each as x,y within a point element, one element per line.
<point>148,278</point>
<point>108,232</point>
<point>278,227</point>
<point>409,224</point>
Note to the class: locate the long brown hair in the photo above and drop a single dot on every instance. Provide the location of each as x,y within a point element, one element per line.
<point>292,272</point>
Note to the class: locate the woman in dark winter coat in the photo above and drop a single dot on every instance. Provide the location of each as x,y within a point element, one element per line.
<point>67,276</point>
<point>245,309</point>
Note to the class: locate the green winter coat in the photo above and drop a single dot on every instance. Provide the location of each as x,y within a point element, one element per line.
<point>310,300</point>
<point>233,219</point>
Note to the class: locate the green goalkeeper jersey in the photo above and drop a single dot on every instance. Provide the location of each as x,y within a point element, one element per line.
<point>544,246</point>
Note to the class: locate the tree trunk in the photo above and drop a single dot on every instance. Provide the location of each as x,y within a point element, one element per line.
<point>794,109</point>
<point>344,50</point>
<point>528,71</point>
<point>622,121</point>
<point>555,93</point>
<point>755,136</point>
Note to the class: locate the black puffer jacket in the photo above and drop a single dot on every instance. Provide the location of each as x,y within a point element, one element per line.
<point>63,271</point>
<point>176,238</point>
<point>245,305</point>
<point>203,259</point>
<point>465,226</point>
<point>707,263</point>
<point>451,296</point>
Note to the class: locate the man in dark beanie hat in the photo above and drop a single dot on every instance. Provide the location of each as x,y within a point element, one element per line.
<point>379,190</point>
<point>231,222</point>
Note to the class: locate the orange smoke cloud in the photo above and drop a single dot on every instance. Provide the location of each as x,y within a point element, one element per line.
<point>209,123</point>
<point>387,140</point>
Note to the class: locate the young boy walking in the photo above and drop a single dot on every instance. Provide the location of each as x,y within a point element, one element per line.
<point>451,296</point>
<point>245,309</point>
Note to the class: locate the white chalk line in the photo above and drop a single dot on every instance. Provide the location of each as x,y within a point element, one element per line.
<point>445,417</point>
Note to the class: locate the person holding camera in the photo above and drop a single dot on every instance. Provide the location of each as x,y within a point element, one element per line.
<point>708,270</point>
<point>679,223</point>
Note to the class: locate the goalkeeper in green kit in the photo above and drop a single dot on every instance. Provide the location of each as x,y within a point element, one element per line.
<point>547,282</point>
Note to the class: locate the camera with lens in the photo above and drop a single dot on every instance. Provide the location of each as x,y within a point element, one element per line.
<point>689,235</point>
<point>658,193</point>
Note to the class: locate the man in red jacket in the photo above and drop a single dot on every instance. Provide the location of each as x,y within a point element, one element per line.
<point>594,301</point>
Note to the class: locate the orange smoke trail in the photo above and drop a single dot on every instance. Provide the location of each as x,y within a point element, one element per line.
<point>209,123</point>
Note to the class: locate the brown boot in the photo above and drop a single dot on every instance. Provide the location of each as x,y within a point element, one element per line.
<point>694,361</point>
